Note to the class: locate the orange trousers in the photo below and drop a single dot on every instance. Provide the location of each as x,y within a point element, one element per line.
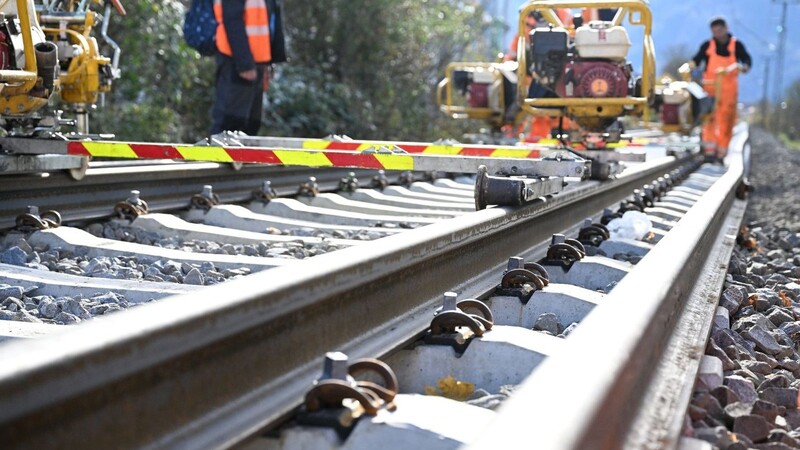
<point>718,131</point>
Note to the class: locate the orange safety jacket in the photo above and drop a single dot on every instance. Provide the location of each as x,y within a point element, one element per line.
<point>730,82</point>
<point>256,22</point>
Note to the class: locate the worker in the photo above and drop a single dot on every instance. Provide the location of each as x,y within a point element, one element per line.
<point>530,23</point>
<point>249,41</point>
<point>723,56</point>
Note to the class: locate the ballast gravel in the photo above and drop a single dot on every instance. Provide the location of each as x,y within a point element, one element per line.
<point>747,393</point>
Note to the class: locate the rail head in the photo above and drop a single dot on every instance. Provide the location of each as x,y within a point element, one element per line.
<point>587,396</point>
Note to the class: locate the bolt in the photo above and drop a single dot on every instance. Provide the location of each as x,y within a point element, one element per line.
<point>587,222</point>
<point>266,186</point>
<point>134,198</point>
<point>335,367</point>
<point>515,262</point>
<point>558,239</point>
<point>450,301</point>
<point>33,210</point>
<point>208,191</point>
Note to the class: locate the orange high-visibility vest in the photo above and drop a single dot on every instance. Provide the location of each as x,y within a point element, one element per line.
<point>256,23</point>
<point>717,132</point>
<point>730,82</point>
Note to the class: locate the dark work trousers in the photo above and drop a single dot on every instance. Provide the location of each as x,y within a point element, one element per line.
<point>237,102</point>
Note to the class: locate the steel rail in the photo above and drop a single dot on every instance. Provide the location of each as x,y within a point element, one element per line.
<point>628,385</point>
<point>241,357</point>
<point>164,186</point>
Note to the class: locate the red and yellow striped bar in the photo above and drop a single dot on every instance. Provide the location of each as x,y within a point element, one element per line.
<point>486,151</point>
<point>305,158</point>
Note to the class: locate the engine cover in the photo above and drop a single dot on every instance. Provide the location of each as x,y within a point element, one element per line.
<point>593,79</point>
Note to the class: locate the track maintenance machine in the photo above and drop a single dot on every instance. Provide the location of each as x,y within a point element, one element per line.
<point>47,48</point>
<point>577,71</point>
<point>584,74</point>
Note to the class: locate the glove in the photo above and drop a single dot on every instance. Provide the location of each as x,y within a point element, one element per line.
<point>697,73</point>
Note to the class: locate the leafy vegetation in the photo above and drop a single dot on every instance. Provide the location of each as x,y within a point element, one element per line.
<point>366,68</point>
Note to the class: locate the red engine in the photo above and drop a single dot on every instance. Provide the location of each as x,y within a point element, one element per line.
<point>5,51</point>
<point>593,79</point>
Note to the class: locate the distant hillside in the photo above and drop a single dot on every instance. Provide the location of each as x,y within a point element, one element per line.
<point>754,22</point>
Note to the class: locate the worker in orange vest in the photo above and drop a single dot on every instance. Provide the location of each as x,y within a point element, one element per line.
<point>723,56</point>
<point>249,39</point>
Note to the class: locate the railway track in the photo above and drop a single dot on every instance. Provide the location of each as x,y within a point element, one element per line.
<point>615,340</point>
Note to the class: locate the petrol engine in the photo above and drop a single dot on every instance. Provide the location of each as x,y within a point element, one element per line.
<point>590,65</point>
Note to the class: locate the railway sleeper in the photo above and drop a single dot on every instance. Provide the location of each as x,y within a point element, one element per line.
<point>409,201</point>
<point>400,191</point>
<point>169,225</point>
<point>342,203</point>
<point>294,209</point>
<point>241,218</point>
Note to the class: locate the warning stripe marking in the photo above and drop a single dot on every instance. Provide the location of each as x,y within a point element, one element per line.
<point>305,158</point>
<point>432,149</point>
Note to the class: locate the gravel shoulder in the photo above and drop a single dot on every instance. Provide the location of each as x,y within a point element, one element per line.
<point>747,393</point>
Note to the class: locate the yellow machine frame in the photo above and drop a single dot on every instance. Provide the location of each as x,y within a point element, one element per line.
<point>638,13</point>
<point>444,95</point>
<point>16,85</point>
<point>81,82</point>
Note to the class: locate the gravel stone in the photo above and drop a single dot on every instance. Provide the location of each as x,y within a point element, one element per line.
<point>725,396</point>
<point>765,342</point>
<point>75,308</point>
<point>14,256</point>
<point>767,410</point>
<point>10,291</point>
<point>48,309</point>
<point>548,322</point>
<point>756,428</point>
<point>728,364</point>
<point>778,316</point>
<point>780,396</point>
<point>775,380</point>
<point>725,337</point>
<point>66,318</point>
<point>97,265</point>
<point>25,316</point>
<point>194,277</point>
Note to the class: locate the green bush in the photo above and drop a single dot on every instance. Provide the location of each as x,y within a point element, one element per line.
<point>366,68</point>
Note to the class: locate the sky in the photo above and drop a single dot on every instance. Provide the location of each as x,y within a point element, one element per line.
<point>685,23</point>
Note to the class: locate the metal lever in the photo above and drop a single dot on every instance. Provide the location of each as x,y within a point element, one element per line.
<point>503,191</point>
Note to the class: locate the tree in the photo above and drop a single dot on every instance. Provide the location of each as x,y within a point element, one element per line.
<point>367,68</point>
<point>166,88</point>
